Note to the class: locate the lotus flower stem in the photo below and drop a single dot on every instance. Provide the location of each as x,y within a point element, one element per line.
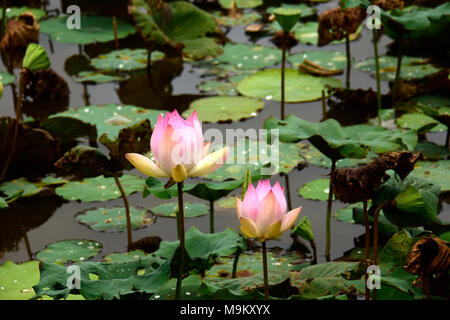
<point>211,216</point>
<point>288,192</point>
<point>329,209</point>
<point>181,238</point>
<point>50,44</point>
<point>266,277</point>
<point>447,139</point>
<point>235,262</point>
<point>283,63</point>
<point>349,61</point>
<point>399,66</point>
<point>324,105</point>
<point>375,238</point>
<point>314,247</point>
<point>367,244</point>
<point>116,37</point>
<point>127,210</point>
<point>16,125</point>
<point>377,68</point>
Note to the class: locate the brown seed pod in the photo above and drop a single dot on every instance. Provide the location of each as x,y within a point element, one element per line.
<point>19,34</point>
<point>352,185</point>
<point>335,24</point>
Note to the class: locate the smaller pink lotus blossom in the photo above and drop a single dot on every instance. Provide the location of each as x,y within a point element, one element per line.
<point>263,212</point>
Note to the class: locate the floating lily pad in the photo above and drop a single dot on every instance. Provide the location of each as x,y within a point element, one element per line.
<point>114,219</point>
<point>93,29</point>
<point>135,255</point>
<point>227,203</point>
<point>22,188</point>
<point>438,172</point>
<point>6,78</point>
<point>17,280</point>
<point>243,19</point>
<point>191,210</point>
<point>110,118</point>
<point>65,251</point>
<point>246,56</point>
<point>225,109</point>
<point>331,60</point>
<point>419,122</point>
<point>242,4</point>
<point>299,87</point>
<point>220,87</point>
<point>14,12</point>
<point>412,68</point>
<point>316,190</point>
<point>306,11</point>
<point>201,48</point>
<point>100,188</point>
<point>124,60</point>
<point>307,33</point>
<point>98,77</point>
<point>432,151</point>
<point>433,100</point>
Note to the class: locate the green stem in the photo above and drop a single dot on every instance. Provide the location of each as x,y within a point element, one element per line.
<point>211,216</point>
<point>16,125</point>
<point>266,276</point>
<point>367,244</point>
<point>349,61</point>
<point>283,63</point>
<point>116,37</point>
<point>314,248</point>
<point>235,263</point>
<point>288,192</point>
<point>447,139</point>
<point>377,68</point>
<point>399,66</point>
<point>324,105</point>
<point>127,210</point>
<point>329,208</point>
<point>181,238</point>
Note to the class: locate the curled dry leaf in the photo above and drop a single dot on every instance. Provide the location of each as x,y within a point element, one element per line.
<point>19,34</point>
<point>438,82</point>
<point>146,244</point>
<point>430,259</point>
<point>317,70</point>
<point>335,24</point>
<point>352,185</point>
<point>388,5</point>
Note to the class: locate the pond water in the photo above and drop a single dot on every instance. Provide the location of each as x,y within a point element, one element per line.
<point>47,220</point>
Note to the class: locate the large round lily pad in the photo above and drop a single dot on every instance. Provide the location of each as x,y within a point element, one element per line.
<point>242,4</point>
<point>93,29</point>
<point>21,188</point>
<point>241,19</point>
<point>110,118</point>
<point>69,251</point>
<point>135,255</point>
<point>331,60</point>
<point>437,172</point>
<point>306,11</point>
<point>299,87</point>
<point>17,280</point>
<point>246,56</point>
<point>124,60</point>
<point>100,188</point>
<point>225,108</point>
<point>412,68</point>
<point>220,87</point>
<point>419,122</point>
<point>98,77</point>
<point>114,219</point>
<point>307,33</point>
<point>14,12</point>
<point>316,190</point>
<point>191,210</point>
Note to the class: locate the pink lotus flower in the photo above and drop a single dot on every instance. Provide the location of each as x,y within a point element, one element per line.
<point>263,212</point>
<point>179,150</point>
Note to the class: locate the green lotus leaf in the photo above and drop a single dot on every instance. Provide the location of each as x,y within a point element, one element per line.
<point>304,229</point>
<point>307,33</point>
<point>98,77</point>
<point>114,219</point>
<point>432,151</point>
<point>36,58</point>
<point>316,190</point>
<point>299,87</point>
<point>130,256</point>
<point>65,251</point>
<point>191,210</point>
<point>287,17</point>
<point>212,191</point>
<point>244,19</point>
<point>241,4</point>
<point>22,188</point>
<point>14,12</point>
<point>93,29</point>
<point>124,60</point>
<point>224,108</point>
<point>437,172</point>
<point>420,123</point>
<point>412,68</point>
<point>17,280</point>
<point>331,60</point>
<point>201,48</point>
<point>220,87</point>
<point>305,10</point>
<point>245,56</point>
<point>100,188</point>
<point>6,78</point>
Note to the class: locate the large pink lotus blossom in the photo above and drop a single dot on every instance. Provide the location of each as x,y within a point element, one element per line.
<point>178,149</point>
<point>263,212</point>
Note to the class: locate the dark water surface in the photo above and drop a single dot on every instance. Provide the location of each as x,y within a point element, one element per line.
<point>52,220</point>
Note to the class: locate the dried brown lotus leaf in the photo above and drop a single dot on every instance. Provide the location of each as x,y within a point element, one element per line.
<point>19,34</point>
<point>335,24</point>
<point>388,5</point>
